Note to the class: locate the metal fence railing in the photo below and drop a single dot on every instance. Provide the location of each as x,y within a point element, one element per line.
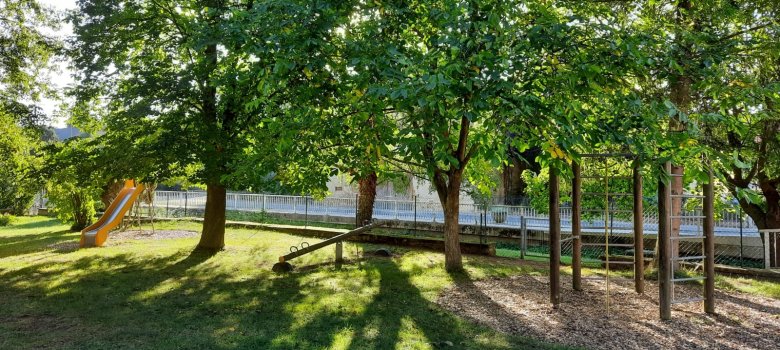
<point>737,239</point>
<point>423,211</point>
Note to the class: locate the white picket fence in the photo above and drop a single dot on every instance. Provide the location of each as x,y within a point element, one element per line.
<point>426,211</point>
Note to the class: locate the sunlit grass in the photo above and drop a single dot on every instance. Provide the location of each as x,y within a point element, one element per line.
<point>749,285</point>
<point>158,294</point>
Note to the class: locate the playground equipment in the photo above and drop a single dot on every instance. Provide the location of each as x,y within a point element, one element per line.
<point>96,234</point>
<point>284,266</point>
<point>669,237</point>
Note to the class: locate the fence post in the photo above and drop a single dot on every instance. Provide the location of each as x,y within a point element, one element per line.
<point>576,227</point>
<point>395,205</point>
<point>639,224</point>
<point>664,248</point>
<point>185,203</point>
<point>709,245</point>
<point>482,220</point>
<point>415,214</point>
<point>766,249</point>
<point>357,200</point>
<point>306,216</point>
<point>741,248</point>
<point>523,237</point>
<point>167,204</point>
<point>555,239</point>
<point>262,207</point>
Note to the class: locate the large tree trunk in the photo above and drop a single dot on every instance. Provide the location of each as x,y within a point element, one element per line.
<point>772,221</point>
<point>680,95</point>
<point>513,183</point>
<point>110,192</point>
<point>367,189</point>
<point>768,219</point>
<point>213,236</point>
<point>447,184</point>
<point>453,261</point>
<point>449,196</point>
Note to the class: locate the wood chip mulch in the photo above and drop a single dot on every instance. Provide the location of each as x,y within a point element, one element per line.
<point>520,305</point>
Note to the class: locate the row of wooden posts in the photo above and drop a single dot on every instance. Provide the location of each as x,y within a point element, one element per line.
<point>665,261</point>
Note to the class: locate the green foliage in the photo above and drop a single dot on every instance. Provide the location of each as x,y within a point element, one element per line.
<point>72,203</point>
<point>538,189</point>
<point>72,188</point>
<point>26,53</point>
<point>718,67</point>
<point>7,219</point>
<point>18,184</point>
<point>178,104</point>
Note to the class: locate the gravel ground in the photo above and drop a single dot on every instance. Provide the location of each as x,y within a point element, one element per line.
<point>119,236</point>
<point>147,234</point>
<point>520,305</point>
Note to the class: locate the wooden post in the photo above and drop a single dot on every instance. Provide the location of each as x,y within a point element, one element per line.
<point>339,254</point>
<point>639,224</point>
<point>555,240</point>
<point>576,227</point>
<point>709,245</point>
<point>664,261</point>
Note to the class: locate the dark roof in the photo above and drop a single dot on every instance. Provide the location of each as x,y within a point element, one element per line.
<point>67,132</point>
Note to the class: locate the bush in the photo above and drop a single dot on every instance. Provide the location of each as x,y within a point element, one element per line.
<point>6,219</point>
<point>73,204</point>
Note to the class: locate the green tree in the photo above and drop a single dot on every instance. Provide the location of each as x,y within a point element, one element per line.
<point>177,75</point>
<point>549,74</point>
<point>18,184</point>
<point>72,188</point>
<point>25,55</point>
<point>737,107</point>
<point>712,72</point>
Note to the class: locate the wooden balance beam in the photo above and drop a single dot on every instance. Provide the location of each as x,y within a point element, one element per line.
<point>284,266</point>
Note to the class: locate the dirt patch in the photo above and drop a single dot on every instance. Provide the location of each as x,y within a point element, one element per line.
<point>520,305</point>
<point>148,234</point>
<point>64,247</point>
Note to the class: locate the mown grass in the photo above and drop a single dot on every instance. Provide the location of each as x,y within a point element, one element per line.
<point>159,294</point>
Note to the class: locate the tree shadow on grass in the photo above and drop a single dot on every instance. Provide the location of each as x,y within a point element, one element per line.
<point>30,243</point>
<point>398,311</point>
<point>121,301</point>
<point>49,222</point>
<point>196,300</point>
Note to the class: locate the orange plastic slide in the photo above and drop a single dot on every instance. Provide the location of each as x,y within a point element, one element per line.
<point>96,234</point>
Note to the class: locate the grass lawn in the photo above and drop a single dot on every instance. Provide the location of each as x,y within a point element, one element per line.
<point>158,294</point>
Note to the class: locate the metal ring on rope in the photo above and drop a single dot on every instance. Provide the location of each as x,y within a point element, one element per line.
<point>293,249</point>
<point>304,245</point>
